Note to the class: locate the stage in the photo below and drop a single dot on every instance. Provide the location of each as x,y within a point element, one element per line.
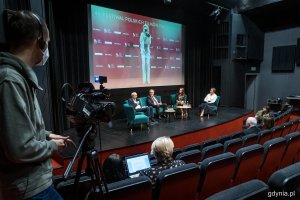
<point>118,139</point>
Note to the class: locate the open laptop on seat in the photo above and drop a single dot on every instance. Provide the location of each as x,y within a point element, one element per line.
<point>137,163</point>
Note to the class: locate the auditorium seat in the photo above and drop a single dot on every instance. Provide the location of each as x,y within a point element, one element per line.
<point>273,151</point>
<point>207,143</point>
<point>223,138</point>
<point>298,127</point>
<point>131,189</point>
<point>287,180</point>
<point>177,183</point>
<point>277,131</point>
<point>212,150</point>
<point>233,145</point>
<point>277,120</point>
<point>215,174</point>
<point>251,190</point>
<point>66,187</point>
<point>295,125</point>
<point>250,139</point>
<point>237,134</point>
<point>176,151</point>
<point>286,128</point>
<point>192,156</point>
<point>192,147</point>
<point>264,136</point>
<point>248,163</point>
<point>292,148</point>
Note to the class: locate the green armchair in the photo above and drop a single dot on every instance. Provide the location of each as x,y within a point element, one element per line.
<point>134,118</point>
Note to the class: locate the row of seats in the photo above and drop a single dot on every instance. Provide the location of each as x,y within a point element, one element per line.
<point>251,162</point>
<point>231,143</point>
<point>214,174</point>
<point>283,184</point>
<point>285,150</point>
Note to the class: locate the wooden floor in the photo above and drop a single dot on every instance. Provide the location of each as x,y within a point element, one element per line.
<point>118,136</point>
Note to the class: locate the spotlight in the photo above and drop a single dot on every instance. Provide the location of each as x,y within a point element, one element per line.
<point>167,1</point>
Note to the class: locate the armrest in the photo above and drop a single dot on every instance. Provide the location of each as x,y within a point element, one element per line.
<point>139,113</point>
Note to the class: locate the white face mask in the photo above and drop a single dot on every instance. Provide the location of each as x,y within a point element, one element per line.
<point>45,57</point>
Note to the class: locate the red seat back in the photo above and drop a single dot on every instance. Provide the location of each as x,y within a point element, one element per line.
<point>273,151</point>
<point>216,174</point>
<point>250,139</point>
<point>264,136</point>
<point>178,183</point>
<point>212,150</point>
<point>248,163</point>
<point>292,148</point>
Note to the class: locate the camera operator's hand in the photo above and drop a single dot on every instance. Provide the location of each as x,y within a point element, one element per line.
<point>60,143</point>
<point>66,139</point>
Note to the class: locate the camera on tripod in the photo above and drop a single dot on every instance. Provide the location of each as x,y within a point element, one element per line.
<point>90,105</point>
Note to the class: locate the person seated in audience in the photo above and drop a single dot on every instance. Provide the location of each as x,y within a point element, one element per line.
<point>153,101</point>
<point>264,113</point>
<point>135,102</point>
<point>162,148</point>
<point>209,100</point>
<point>181,99</point>
<point>251,123</point>
<point>113,168</point>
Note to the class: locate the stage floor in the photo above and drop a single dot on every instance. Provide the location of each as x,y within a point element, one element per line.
<point>118,136</point>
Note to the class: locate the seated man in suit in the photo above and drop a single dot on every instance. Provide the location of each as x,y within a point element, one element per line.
<point>251,123</point>
<point>135,102</point>
<point>153,101</point>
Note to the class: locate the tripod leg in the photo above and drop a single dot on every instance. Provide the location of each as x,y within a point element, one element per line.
<point>77,177</point>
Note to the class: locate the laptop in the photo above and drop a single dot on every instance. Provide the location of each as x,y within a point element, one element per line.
<point>137,163</point>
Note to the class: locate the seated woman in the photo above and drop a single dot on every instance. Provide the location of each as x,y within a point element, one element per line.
<point>209,100</point>
<point>113,168</point>
<point>181,98</point>
<point>162,148</point>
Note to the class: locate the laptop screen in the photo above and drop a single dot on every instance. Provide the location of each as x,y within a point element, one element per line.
<point>137,163</point>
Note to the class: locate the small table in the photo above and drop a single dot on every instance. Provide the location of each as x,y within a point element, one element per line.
<point>169,112</point>
<point>187,108</point>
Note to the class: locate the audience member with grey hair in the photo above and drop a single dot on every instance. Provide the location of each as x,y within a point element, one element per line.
<point>251,124</point>
<point>162,148</point>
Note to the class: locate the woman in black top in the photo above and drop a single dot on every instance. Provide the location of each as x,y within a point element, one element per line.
<point>162,147</point>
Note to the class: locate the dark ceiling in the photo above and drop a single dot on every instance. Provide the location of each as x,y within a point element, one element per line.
<point>276,16</point>
<point>269,15</point>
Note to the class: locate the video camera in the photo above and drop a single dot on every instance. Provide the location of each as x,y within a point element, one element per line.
<point>90,105</point>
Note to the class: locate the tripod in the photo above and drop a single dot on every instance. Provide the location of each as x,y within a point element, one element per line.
<point>93,167</point>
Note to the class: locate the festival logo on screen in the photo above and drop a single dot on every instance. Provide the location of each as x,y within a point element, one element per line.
<point>134,50</point>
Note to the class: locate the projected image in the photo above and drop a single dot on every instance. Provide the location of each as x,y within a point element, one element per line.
<point>134,50</point>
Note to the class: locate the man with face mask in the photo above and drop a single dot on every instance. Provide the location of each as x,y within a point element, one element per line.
<point>25,146</point>
<point>145,41</point>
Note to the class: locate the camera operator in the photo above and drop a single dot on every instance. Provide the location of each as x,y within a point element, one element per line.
<point>25,146</point>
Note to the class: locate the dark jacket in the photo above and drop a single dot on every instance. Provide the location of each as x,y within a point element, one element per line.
<point>150,101</point>
<point>253,129</point>
<point>25,152</point>
<point>131,102</point>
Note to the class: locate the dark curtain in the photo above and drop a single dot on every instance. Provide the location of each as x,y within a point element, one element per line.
<point>18,4</point>
<point>67,24</point>
<point>198,69</point>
